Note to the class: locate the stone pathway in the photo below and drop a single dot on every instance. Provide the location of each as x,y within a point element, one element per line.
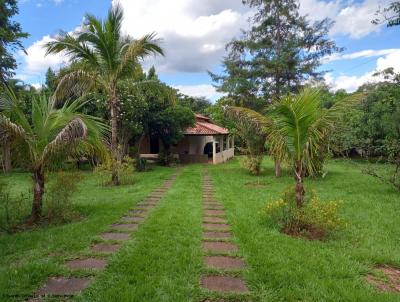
<point>218,248</point>
<point>112,240</point>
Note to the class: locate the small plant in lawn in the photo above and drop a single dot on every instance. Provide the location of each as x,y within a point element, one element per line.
<point>58,198</point>
<point>142,165</point>
<point>124,169</point>
<point>315,220</point>
<point>12,209</point>
<point>252,163</point>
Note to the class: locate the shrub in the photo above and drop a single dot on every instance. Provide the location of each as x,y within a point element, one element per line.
<point>12,209</point>
<point>58,196</point>
<point>166,158</point>
<point>315,220</point>
<point>142,165</point>
<point>252,163</point>
<point>125,170</point>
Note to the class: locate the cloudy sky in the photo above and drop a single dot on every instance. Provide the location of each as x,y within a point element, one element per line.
<point>195,32</point>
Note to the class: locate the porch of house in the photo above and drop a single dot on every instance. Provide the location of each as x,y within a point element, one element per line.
<point>205,142</point>
<point>213,149</point>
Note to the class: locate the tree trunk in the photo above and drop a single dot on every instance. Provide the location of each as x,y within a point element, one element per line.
<point>114,135</point>
<point>278,168</point>
<point>299,189</point>
<point>7,156</point>
<point>38,191</point>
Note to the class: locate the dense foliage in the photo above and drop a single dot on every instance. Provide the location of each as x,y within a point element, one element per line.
<point>10,36</point>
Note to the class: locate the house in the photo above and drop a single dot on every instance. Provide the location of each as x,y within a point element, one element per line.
<point>205,142</point>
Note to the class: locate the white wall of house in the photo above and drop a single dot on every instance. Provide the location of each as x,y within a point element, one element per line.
<point>197,144</point>
<point>227,149</point>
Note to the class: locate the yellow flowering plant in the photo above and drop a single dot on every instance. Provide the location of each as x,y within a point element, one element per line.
<point>314,220</point>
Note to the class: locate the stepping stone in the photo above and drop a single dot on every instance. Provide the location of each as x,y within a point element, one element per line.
<point>145,207</point>
<point>214,219</point>
<point>218,226</point>
<point>137,219</point>
<point>138,212</point>
<point>151,202</point>
<point>152,199</point>
<point>211,203</point>
<point>86,263</point>
<point>61,286</point>
<point>224,284</point>
<point>217,235</point>
<point>224,262</point>
<point>128,220</point>
<point>219,246</point>
<point>105,248</point>
<point>220,208</point>
<point>126,226</point>
<point>214,212</point>
<point>115,236</point>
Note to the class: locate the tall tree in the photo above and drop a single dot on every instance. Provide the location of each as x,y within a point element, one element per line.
<point>48,137</point>
<point>10,36</point>
<point>389,15</point>
<point>103,57</point>
<point>280,52</point>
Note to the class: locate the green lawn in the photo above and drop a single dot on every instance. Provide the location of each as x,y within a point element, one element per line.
<point>163,261</point>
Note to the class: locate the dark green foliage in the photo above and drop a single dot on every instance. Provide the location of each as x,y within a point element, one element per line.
<point>373,127</point>
<point>51,80</point>
<point>10,36</point>
<point>170,123</point>
<point>196,104</point>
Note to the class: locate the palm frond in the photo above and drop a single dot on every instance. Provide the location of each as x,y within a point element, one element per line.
<point>75,83</point>
<point>73,47</point>
<point>9,129</point>
<point>248,119</point>
<point>67,138</point>
<point>133,51</point>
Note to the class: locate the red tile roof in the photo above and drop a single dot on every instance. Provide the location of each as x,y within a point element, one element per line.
<point>204,126</point>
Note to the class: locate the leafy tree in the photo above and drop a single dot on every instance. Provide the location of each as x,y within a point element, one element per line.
<point>51,80</point>
<point>280,51</point>
<point>105,57</point>
<point>10,36</point>
<point>298,128</point>
<point>389,15</point>
<point>170,123</point>
<point>196,104</point>
<point>251,127</point>
<point>48,137</point>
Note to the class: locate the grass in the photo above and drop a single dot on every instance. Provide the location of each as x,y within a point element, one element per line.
<point>282,268</point>
<point>163,261</point>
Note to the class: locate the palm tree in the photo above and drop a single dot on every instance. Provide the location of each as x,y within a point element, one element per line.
<point>297,130</point>
<point>252,127</point>
<point>103,56</point>
<point>48,137</point>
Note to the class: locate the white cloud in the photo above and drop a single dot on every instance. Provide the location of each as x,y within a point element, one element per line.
<point>368,53</point>
<point>351,18</point>
<point>37,85</point>
<point>351,83</point>
<point>36,59</point>
<point>194,32</point>
<point>202,90</point>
